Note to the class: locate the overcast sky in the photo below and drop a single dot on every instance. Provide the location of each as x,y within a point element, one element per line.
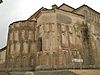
<point>14,10</point>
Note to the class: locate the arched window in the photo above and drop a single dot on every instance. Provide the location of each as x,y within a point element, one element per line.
<point>98,46</point>
<point>32,61</point>
<point>47,28</point>
<point>16,35</point>
<point>25,47</point>
<point>32,47</point>
<point>47,43</point>
<point>30,35</point>
<point>18,47</point>
<point>12,49</point>
<point>64,38</point>
<point>23,34</point>
<point>63,28</point>
<point>25,61</point>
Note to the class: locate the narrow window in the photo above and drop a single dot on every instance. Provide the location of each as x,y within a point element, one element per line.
<point>98,47</point>
<point>39,46</point>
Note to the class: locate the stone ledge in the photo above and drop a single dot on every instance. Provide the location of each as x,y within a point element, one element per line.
<point>59,72</point>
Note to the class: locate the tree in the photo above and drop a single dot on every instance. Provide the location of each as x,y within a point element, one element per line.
<point>1,1</point>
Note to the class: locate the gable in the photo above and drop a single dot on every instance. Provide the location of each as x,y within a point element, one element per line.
<point>66,7</point>
<point>82,10</point>
<point>36,13</point>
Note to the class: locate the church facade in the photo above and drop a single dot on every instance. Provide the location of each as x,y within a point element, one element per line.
<point>61,37</point>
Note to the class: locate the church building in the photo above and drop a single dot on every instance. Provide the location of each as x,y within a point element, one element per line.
<point>61,37</point>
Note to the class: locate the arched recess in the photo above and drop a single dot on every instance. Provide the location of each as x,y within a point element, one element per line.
<point>98,46</point>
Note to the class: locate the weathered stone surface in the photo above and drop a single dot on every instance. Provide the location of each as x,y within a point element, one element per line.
<point>55,72</point>
<point>59,72</point>
<point>54,39</point>
<point>64,19</point>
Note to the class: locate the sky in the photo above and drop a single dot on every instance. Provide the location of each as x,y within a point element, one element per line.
<point>14,10</point>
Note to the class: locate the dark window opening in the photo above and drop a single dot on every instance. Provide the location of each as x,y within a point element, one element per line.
<point>39,46</point>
